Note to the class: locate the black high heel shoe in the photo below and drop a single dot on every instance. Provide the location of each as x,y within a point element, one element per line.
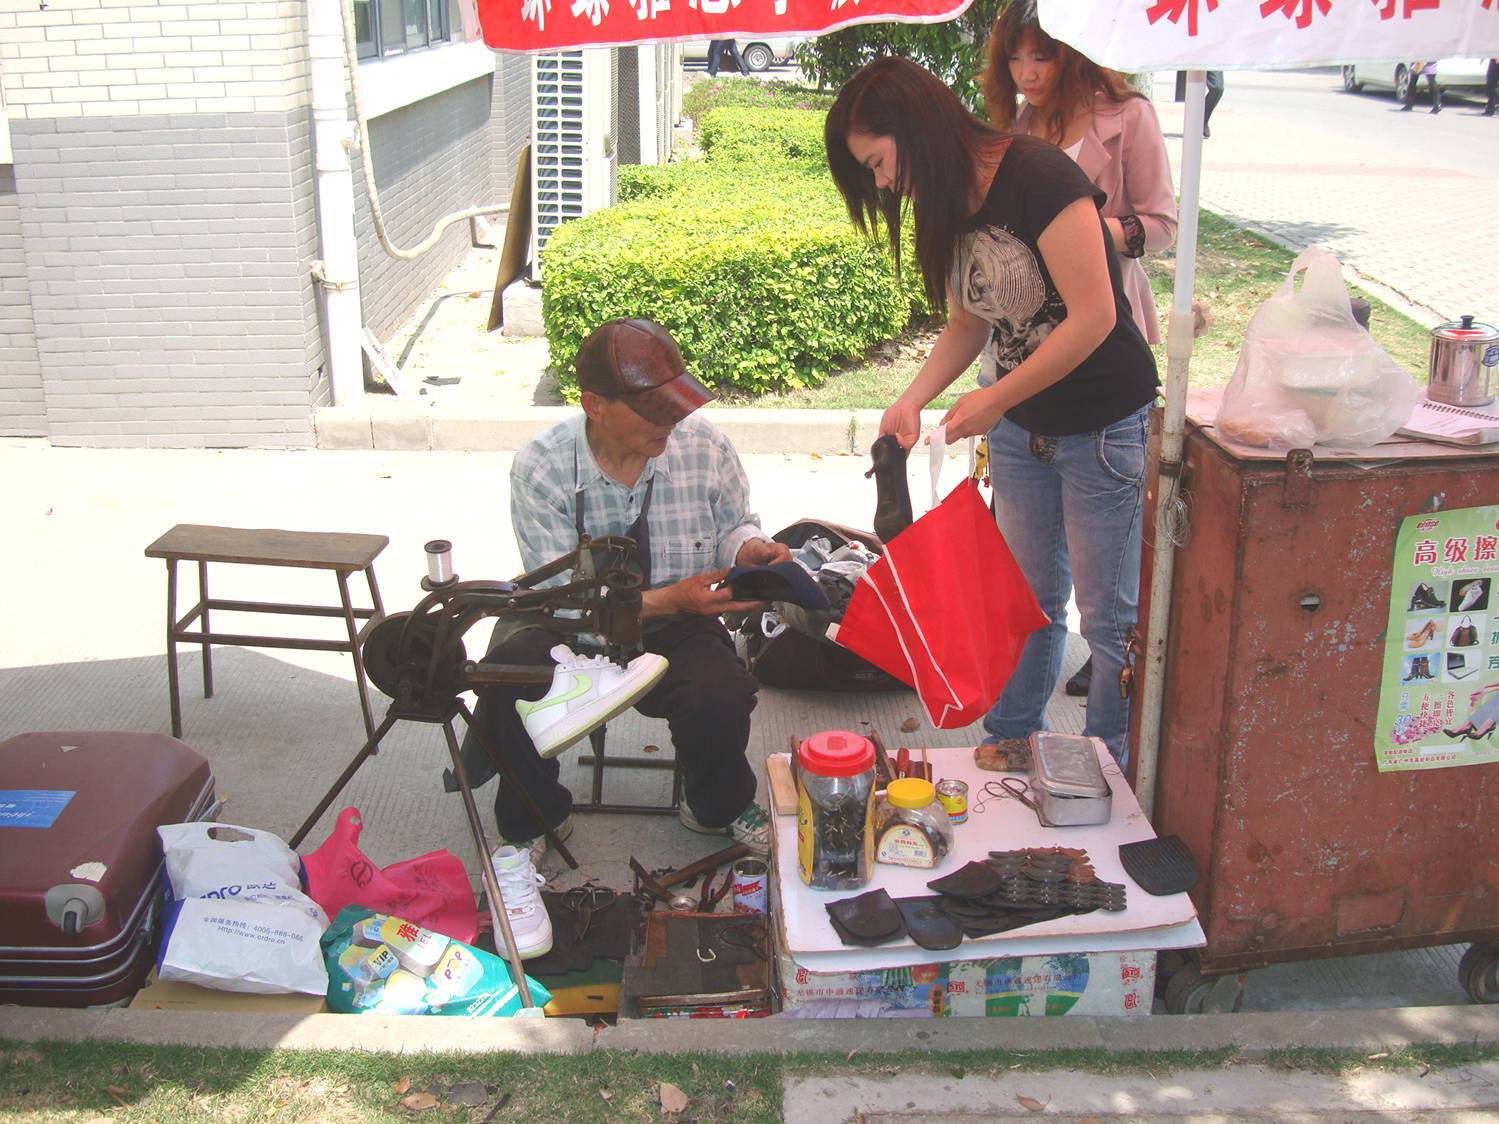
<point>892,510</point>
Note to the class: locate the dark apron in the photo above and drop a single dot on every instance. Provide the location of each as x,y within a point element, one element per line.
<point>475,762</point>
<point>639,530</point>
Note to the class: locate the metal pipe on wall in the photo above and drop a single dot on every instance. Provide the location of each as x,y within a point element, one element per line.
<point>337,273</point>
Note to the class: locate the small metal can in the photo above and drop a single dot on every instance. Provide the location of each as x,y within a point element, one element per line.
<point>751,891</point>
<point>953,795</point>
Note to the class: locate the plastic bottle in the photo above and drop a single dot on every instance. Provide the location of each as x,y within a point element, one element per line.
<point>911,827</point>
<point>835,787</point>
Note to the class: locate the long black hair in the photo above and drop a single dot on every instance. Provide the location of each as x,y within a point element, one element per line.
<point>938,146</point>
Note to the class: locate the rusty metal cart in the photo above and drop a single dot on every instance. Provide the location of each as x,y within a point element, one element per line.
<point>1280,599</point>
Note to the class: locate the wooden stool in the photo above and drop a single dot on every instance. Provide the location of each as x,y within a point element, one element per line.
<point>315,550</point>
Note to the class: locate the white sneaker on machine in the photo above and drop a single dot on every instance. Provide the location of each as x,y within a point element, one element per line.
<point>586,692</point>
<point>520,886</point>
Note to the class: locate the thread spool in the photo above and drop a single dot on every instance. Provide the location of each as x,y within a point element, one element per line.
<point>439,562</point>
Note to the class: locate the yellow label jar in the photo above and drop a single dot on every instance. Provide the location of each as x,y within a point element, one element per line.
<point>911,827</point>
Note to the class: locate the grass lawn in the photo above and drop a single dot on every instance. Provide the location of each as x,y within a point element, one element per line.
<point>1236,271</point>
<point>94,1082</point>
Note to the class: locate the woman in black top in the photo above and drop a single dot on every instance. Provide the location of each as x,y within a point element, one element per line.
<point>1009,240</point>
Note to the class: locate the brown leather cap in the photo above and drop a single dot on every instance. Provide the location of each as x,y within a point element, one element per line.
<point>637,362</point>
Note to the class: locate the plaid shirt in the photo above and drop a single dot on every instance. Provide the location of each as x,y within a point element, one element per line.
<point>699,515</point>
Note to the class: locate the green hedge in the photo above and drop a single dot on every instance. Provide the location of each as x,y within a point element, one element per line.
<point>759,296</point>
<point>761,136</point>
<point>746,256</point>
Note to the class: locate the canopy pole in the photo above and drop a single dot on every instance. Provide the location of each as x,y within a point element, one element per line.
<point>1179,338</point>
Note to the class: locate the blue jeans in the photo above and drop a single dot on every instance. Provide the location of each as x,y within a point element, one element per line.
<point>1070,509</point>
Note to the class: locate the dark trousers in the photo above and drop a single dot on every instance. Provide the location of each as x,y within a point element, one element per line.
<point>1432,87</point>
<point>1212,97</point>
<point>1213,79</point>
<point>706,697</point>
<point>716,48</point>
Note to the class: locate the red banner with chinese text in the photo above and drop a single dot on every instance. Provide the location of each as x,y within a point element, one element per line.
<point>544,25</point>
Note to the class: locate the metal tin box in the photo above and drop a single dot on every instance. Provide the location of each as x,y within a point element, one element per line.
<point>1067,783</point>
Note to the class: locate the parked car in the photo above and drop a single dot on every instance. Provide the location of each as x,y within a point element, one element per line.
<point>758,54</point>
<point>1452,74</point>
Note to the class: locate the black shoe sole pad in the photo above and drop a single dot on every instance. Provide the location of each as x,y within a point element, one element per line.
<point>1159,866</point>
<point>929,927</point>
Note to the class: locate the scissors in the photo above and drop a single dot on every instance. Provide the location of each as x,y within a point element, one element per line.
<point>583,902</point>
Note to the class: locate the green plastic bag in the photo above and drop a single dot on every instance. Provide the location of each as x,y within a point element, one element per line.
<point>383,965</point>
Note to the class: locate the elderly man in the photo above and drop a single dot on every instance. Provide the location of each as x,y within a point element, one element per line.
<point>637,461</point>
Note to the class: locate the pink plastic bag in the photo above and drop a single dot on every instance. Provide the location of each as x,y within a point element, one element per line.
<point>431,890</point>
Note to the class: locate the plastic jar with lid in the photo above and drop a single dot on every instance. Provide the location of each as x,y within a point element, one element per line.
<point>835,789</point>
<point>911,827</point>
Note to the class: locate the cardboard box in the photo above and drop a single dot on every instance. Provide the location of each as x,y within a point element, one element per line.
<point>171,995</point>
<point>1099,983</point>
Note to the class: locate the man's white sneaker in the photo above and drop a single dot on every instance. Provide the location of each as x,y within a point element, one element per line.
<point>586,692</point>
<point>1471,594</point>
<point>751,827</point>
<point>520,887</point>
<point>538,846</point>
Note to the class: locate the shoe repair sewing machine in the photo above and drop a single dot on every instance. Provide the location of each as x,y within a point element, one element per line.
<point>418,659</point>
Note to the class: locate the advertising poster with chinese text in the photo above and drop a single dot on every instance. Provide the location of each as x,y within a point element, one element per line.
<point>1439,695</point>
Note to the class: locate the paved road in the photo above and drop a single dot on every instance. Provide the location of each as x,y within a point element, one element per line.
<point>1408,200</point>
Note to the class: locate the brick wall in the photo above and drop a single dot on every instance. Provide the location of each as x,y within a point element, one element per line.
<point>157,238</point>
<point>431,159</point>
<point>167,279</point>
<point>512,109</point>
<point>21,402</point>
<point>110,58</point>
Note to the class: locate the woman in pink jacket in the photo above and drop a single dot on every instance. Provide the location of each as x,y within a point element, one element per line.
<point>1109,130</point>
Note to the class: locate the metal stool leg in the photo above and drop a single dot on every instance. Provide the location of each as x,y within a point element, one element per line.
<point>174,690</point>
<point>207,648</point>
<point>596,743</point>
<point>369,573</point>
<point>353,626</point>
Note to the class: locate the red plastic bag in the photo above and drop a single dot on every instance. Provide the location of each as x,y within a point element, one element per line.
<point>946,610</point>
<point>431,890</point>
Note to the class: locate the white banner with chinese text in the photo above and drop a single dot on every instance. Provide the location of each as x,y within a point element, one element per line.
<point>1225,34</point>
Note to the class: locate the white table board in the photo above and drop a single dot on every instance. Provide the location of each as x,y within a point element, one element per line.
<point>994,824</point>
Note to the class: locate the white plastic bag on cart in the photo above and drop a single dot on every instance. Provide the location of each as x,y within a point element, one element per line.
<point>1307,371</point>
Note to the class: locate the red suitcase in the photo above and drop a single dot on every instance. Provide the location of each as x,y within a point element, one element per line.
<point>80,862</point>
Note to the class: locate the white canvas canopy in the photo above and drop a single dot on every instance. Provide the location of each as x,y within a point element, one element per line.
<point>1201,35</point>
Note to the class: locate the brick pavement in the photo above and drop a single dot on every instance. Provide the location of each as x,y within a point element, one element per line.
<point>1428,233</point>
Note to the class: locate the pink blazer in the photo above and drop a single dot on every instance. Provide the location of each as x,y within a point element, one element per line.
<point>1124,154</point>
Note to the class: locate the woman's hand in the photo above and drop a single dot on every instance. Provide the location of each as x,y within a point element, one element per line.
<point>973,415</point>
<point>956,347</point>
<point>903,419</point>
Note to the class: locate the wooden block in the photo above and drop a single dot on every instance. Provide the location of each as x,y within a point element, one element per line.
<point>782,787</point>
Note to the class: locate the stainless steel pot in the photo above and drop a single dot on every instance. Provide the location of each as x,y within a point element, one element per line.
<point>1463,357</point>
